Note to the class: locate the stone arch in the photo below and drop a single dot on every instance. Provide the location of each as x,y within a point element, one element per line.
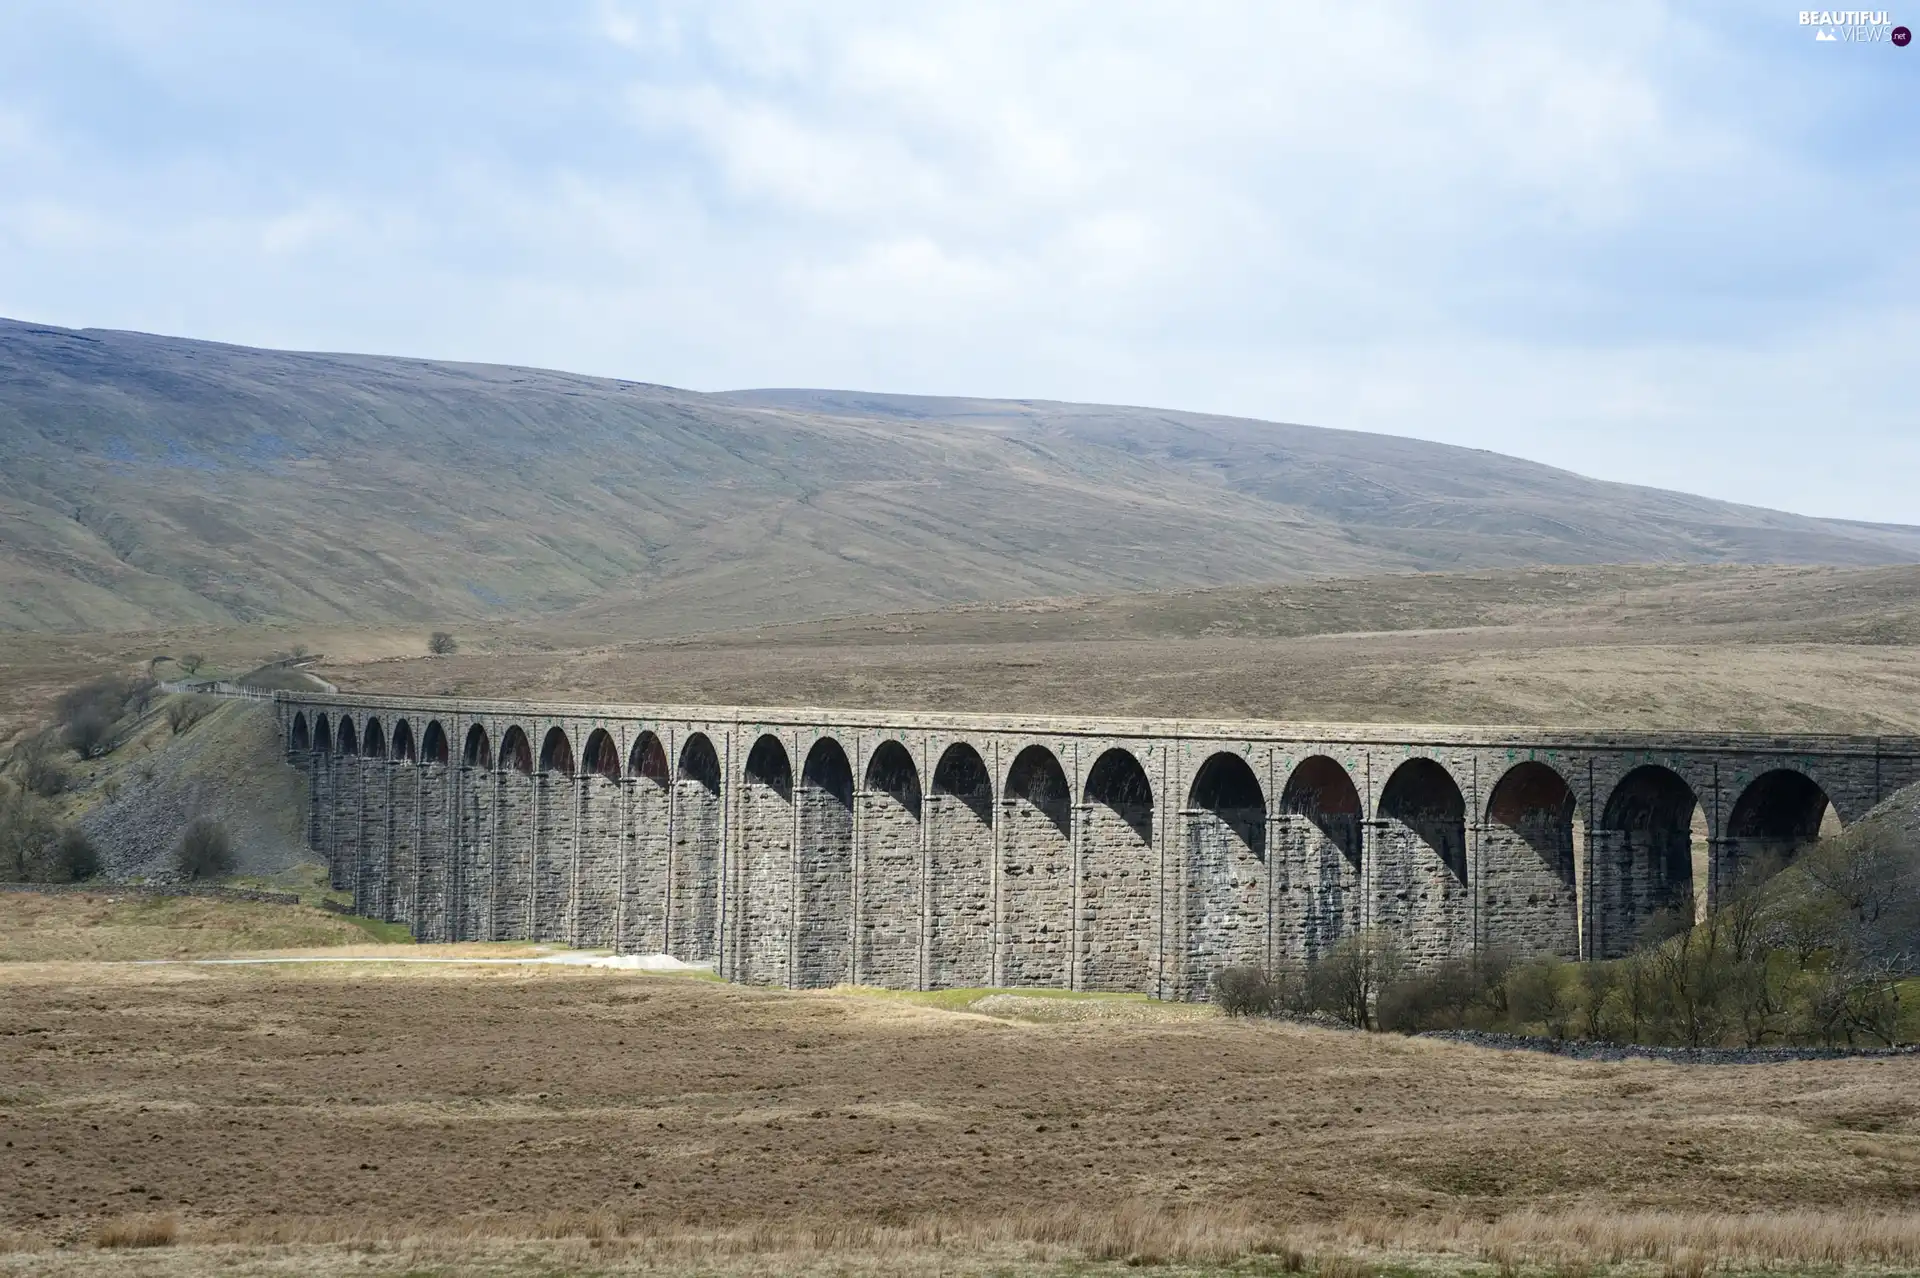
<point>515,820</point>
<point>302,739</point>
<point>599,842</point>
<point>556,752</point>
<point>1529,893</point>
<point>1226,872</point>
<point>890,889</point>
<point>1037,900</point>
<point>694,869</point>
<point>824,945</point>
<point>433,743</point>
<point>1119,879</point>
<point>348,740</point>
<point>601,757</point>
<point>1777,816</point>
<point>373,740</point>
<point>402,748</point>
<point>516,752</point>
<point>1315,860</point>
<point>960,871</point>
<point>763,925</point>
<point>1420,885</point>
<point>648,759</point>
<point>479,750</point>
<point>1643,858</point>
<point>322,735</point>
<point>646,847</point>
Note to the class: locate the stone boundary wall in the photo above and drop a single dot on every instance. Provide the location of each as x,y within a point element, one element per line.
<point>803,847</point>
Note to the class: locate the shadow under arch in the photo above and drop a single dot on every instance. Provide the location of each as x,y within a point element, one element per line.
<point>1321,790</point>
<point>348,740</point>
<point>1644,862</point>
<point>1535,804</point>
<point>601,757</point>
<point>516,752</point>
<point>1422,795</point>
<point>403,742</point>
<point>1777,816</point>
<point>479,750</point>
<point>963,774</point>
<point>767,764</point>
<point>1226,787</point>
<point>556,752</point>
<point>648,759</point>
<point>1118,782</point>
<point>373,741</point>
<point>891,772</point>
<point>1037,778</point>
<point>302,739</point>
<point>322,736</point>
<point>433,743</point>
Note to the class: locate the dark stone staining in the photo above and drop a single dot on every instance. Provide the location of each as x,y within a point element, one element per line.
<point>1225,914</point>
<point>824,950</point>
<point>960,852</point>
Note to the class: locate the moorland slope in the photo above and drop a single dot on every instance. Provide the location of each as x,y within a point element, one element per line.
<point>154,481</point>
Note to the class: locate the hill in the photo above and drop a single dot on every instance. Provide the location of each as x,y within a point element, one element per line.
<point>159,481</point>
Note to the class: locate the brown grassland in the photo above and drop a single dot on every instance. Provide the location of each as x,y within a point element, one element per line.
<point>388,1118</point>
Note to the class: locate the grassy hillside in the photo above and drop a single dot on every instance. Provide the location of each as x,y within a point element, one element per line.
<point>152,481</point>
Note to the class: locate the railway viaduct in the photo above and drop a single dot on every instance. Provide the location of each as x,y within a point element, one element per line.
<point>814,847</point>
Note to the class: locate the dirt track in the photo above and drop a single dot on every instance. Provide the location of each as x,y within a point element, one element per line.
<point>245,1095</point>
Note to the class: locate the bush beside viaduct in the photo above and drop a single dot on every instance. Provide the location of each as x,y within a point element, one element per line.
<point>810,848</point>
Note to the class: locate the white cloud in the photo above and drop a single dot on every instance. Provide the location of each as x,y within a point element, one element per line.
<point>1581,236</point>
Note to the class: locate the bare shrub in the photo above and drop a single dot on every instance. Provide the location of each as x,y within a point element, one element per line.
<point>191,663</point>
<point>205,851</point>
<point>185,711</point>
<point>28,835</point>
<point>75,856</point>
<point>39,765</point>
<point>90,732</point>
<point>138,1231</point>
<point>442,644</point>
<point>1243,991</point>
<point>1538,994</point>
<point>1347,981</point>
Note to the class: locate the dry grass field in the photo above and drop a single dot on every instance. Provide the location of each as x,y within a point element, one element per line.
<point>387,1118</point>
<point>1761,648</point>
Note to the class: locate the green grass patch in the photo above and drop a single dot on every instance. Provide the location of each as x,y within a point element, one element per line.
<point>963,999</point>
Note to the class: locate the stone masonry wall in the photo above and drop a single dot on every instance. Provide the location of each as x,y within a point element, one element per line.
<point>1038,864</point>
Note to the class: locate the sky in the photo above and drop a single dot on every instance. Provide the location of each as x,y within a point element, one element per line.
<point>1667,244</point>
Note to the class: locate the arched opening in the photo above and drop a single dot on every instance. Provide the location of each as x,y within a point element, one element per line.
<point>763,925</point>
<point>322,735</point>
<point>890,891</point>
<point>648,759</point>
<point>1643,860</point>
<point>602,757</point>
<point>1322,791</point>
<point>694,888</point>
<point>373,741</point>
<point>1315,862</point>
<point>1423,797</point>
<point>1776,817</point>
<point>403,742</point>
<point>516,752</point>
<point>301,739</point>
<point>348,742</point>
<point>433,744</point>
<point>1420,889</point>
<point>648,846</point>
<point>515,817</point>
<point>1118,783</point>
<point>1528,887</point>
<point>1038,872</point>
<point>1227,881</point>
<point>826,867</point>
<point>556,752</point>
<point>960,885</point>
<point>1118,886</point>
<point>479,750</point>
<point>598,852</point>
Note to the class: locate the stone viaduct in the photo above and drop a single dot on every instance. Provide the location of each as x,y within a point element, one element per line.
<point>921,851</point>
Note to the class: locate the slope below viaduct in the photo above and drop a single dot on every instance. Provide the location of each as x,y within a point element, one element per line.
<point>815,847</point>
